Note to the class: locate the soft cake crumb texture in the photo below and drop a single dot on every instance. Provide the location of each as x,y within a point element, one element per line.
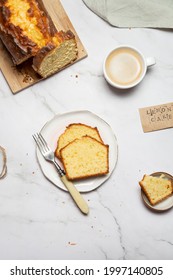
<point>85,157</point>
<point>156,188</point>
<point>76,131</point>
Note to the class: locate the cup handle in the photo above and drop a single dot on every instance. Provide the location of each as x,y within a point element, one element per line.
<point>150,61</point>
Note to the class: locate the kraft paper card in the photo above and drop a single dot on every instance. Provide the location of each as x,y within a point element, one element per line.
<point>157,117</point>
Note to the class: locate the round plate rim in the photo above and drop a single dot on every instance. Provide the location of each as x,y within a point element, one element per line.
<point>79,112</point>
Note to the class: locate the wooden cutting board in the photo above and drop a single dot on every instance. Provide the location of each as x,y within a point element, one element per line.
<point>23,76</point>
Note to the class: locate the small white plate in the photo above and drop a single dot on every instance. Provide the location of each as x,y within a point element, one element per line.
<point>56,126</point>
<point>163,205</point>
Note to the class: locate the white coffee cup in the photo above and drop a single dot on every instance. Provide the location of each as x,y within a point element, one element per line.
<point>125,67</point>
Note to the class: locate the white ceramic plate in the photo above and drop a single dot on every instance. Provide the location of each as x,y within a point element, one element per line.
<point>163,205</point>
<point>56,126</point>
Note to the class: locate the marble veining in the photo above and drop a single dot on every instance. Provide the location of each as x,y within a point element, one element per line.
<point>40,221</point>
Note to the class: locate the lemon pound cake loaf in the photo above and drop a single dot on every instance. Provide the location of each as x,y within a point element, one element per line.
<point>76,131</point>
<point>27,30</point>
<point>156,188</point>
<point>85,157</point>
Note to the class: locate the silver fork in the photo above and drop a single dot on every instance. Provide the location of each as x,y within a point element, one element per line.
<point>48,154</point>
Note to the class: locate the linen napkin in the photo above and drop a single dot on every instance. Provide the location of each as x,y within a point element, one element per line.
<point>3,161</point>
<point>134,13</point>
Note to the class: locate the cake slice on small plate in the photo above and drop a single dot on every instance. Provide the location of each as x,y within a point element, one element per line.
<point>156,189</point>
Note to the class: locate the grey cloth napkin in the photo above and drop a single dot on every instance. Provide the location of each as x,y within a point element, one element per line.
<point>134,13</point>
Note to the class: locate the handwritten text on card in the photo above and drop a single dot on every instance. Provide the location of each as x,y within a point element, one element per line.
<point>156,117</point>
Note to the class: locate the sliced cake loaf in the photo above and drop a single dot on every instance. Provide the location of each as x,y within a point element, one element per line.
<point>27,30</point>
<point>76,131</point>
<point>85,157</point>
<point>156,188</point>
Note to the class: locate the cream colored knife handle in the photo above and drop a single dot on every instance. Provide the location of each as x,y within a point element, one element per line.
<point>75,195</point>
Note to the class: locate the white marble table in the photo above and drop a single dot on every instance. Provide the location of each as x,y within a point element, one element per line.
<point>40,221</point>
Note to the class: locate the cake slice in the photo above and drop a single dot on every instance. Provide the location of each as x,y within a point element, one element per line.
<point>76,131</point>
<point>156,188</point>
<point>85,157</point>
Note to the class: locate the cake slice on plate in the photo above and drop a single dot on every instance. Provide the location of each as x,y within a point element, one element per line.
<point>85,157</point>
<point>76,131</point>
<point>156,188</point>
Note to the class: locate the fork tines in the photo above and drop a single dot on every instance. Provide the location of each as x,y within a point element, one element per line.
<point>41,143</point>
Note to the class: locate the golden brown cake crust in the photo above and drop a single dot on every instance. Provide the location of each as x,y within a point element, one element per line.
<point>17,54</point>
<point>17,43</point>
<point>20,41</point>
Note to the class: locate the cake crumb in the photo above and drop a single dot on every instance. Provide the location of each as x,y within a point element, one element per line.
<point>72,243</point>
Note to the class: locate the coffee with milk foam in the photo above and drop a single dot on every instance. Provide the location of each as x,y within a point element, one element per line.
<point>124,66</point>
